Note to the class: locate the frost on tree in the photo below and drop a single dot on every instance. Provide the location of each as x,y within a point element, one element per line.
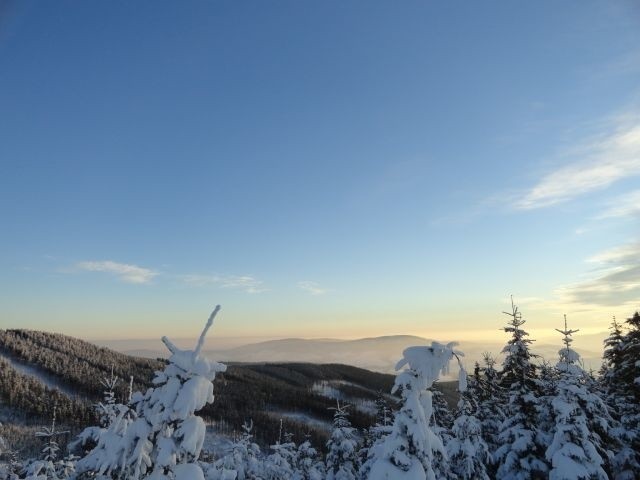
<point>342,457</point>
<point>309,466</point>
<point>573,451</point>
<point>408,451</point>
<point>280,465</point>
<point>621,383</point>
<point>48,467</point>
<point>165,439</point>
<point>375,435</point>
<point>108,412</point>
<point>242,462</point>
<point>490,397</point>
<point>468,452</point>
<point>521,451</point>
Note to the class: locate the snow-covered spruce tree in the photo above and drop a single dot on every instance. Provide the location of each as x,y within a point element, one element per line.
<point>521,451</point>
<point>573,452</point>
<point>375,435</point>
<point>490,406</point>
<point>468,453</point>
<point>164,441</point>
<point>47,467</point>
<point>281,463</point>
<point>441,423</point>
<point>108,411</point>
<point>242,462</point>
<point>408,451</point>
<point>342,460</point>
<point>547,392</point>
<point>309,466</point>
<point>620,379</point>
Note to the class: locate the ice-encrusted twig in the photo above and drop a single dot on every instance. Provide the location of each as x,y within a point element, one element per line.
<point>200,344</point>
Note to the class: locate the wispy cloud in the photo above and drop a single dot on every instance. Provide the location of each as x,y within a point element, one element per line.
<point>614,282</point>
<point>125,272</point>
<point>247,283</point>
<point>592,166</point>
<point>627,205</point>
<point>312,287</point>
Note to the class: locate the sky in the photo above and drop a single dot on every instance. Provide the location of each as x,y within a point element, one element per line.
<point>319,168</point>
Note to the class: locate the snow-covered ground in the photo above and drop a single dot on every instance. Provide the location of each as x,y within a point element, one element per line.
<point>49,380</point>
<point>303,418</point>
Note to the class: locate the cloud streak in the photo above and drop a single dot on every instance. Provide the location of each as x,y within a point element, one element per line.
<point>627,205</point>
<point>594,166</point>
<point>615,283</point>
<point>126,272</point>
<point>247,283</point>
<point>311,287</point>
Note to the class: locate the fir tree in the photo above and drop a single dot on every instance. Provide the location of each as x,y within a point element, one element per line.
<point>46,468</point>
<point>490,409</point>
<point>468,453</point>
<point>342,461</point>
<point>309,466</point>
<point>441,423</point>
<point>375,435</point>
<point>408,451</point>
<point>573,451</point>
<point>520,455</point>
<point>242,462</point>
<point>165,439</point>
<point>621,384</point>
<point>280,465</point>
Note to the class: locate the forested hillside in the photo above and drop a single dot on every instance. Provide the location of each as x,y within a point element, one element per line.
<point>300,394</point>
<point>524,419</point>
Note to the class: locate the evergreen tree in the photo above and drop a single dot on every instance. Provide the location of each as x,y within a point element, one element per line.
<point>468,453</point>
<point>242,462</point>
<point>46,467</point>
<point>573,451</point>
<point>375,435</point>
<point>165,439</point>
<point>408,450</point>
<point>342,461</point>
<point>281,464</point>
<point>620,377</point>
<point>108,411</point>
<point>520,454</point>
<point>490,408</point>
<point>441,423</point>
<point>309,466</point>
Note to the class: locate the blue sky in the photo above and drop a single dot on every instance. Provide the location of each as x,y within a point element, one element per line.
<point>332,169</point>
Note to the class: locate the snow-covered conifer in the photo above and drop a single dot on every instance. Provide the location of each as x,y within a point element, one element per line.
<point>520,455</point>
<point>490,407</point>
<point>108,411</point>
<point>243,459</point>
<point>573,451</point>
<point>468,453</point>
<point>342,460</point>
<point>165,439</point>
<point>281,463</point>
<point>619,378</point>
<point>441,423</point>
<point>408,450</point>
<point>46,468</point>
<point>375,435</point>
<point>309,466</point>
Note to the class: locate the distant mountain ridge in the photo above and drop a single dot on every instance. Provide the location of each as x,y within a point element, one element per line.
<point>381,354</point>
